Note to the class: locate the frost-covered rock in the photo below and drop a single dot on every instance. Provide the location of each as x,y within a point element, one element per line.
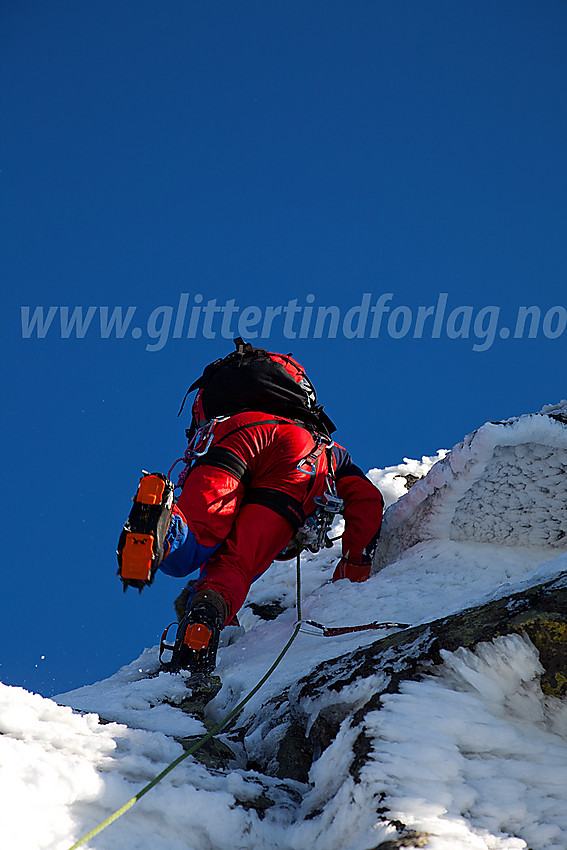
<point>505,484</point>
<point>450,734</point>
<point>378,727</point>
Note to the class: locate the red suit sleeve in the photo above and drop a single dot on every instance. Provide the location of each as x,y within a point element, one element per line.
<point>363,507</point>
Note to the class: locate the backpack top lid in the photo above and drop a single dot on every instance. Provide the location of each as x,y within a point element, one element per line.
<point>255,379</point>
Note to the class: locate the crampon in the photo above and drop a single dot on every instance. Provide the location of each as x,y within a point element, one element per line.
<point>140,547</point>
<point>196,641</point>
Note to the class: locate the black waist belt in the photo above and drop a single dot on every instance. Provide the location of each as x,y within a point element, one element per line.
<point>281,503</point>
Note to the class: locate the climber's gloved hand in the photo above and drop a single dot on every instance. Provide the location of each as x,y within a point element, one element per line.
<point>353,569</point>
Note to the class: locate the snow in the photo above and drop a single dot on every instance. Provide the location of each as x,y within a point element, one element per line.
<point>474,755</point>
<point>503,744</point>
<point>392,481</point>
<point>505,483</point>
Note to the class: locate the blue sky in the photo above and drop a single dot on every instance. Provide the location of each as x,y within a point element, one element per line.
<point>263,156</point>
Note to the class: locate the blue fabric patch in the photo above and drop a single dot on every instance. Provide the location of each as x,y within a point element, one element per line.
<point>185,555</point>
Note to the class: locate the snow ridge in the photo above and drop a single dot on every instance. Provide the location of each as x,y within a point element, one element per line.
<point>473,755</point>
<point>505,483</point>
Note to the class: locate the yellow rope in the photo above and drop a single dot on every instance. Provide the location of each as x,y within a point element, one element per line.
<point>198,744</point>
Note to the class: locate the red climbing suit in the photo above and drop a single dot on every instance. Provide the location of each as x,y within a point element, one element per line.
<point>255,486</point>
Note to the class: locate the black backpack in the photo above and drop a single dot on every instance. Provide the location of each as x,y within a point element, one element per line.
<point>255,379</point>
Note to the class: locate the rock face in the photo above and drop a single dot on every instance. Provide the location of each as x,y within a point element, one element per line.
<point>302,727</point>
<point>539,612</point>
<point>505,483</point>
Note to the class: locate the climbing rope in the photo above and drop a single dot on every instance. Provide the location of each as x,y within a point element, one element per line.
<point>215,731</point>
<point>299,627</point>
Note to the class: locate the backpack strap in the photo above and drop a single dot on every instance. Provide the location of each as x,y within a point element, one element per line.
<point>223,458</point>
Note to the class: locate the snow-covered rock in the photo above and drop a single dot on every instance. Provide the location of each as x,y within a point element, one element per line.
<point>504,484</point>
<point>382,739</point>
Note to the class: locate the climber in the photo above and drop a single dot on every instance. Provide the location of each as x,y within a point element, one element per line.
<point>261,472</point>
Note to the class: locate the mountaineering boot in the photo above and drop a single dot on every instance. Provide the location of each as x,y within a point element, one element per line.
<point>141,544</point>
<point>197,639</point>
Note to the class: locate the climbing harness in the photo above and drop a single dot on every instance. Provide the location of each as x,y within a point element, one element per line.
<point>201,440</point>
<point>314,533</point>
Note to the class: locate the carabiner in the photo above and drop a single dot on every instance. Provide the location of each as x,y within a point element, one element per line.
<point>313,625</point>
